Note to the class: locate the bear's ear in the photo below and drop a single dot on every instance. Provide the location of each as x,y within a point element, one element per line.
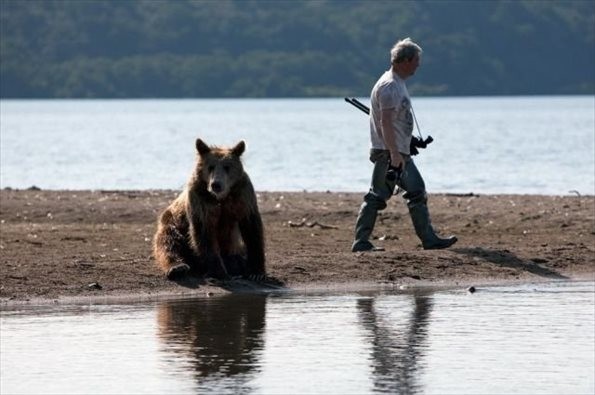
<point>239,149</point>
<point>201,147</point>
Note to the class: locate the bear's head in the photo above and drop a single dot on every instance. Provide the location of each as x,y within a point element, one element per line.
<point>219,168</point>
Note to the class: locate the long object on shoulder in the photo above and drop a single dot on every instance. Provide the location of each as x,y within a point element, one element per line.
<point>358,104</point>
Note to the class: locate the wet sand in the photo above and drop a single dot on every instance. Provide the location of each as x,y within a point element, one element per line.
<point>59,246</point>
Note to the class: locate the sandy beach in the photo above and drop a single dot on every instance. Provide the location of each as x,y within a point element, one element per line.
<point>58,246</point>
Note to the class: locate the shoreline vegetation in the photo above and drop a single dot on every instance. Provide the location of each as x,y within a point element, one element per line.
<point>61,246</point>
<point>226,49</point>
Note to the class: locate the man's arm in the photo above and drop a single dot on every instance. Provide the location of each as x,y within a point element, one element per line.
<point>389,134</point>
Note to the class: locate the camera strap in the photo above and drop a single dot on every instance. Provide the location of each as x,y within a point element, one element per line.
<point>416,124</point>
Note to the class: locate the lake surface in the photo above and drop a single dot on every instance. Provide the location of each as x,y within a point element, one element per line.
<point>535,145</point>
<point>526,339</point>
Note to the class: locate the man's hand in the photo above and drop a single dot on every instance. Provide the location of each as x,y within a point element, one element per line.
<point>396,160</point>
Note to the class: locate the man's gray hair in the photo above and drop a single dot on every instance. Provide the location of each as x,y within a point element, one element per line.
<point>404,50</point>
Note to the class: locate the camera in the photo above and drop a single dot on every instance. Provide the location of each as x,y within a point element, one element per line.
<point>418,143</point>
<point>393,173</point>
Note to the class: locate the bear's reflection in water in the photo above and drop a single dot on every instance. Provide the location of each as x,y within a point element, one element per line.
<point>220,336</point>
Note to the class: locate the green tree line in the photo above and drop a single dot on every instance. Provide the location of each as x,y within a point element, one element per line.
<point>262,48</point>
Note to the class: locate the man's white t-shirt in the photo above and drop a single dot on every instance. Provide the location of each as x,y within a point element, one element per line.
<point>390,92</point>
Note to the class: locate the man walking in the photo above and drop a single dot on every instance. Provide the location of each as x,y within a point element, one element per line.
<point>391,129</point>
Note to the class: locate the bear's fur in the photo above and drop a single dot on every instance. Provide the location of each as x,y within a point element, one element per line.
<point>213,227</point>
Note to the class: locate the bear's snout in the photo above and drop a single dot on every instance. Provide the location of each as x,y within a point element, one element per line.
<point>216,187</point>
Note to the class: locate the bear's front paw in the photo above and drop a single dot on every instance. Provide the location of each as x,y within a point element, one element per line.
<point>178,271</point>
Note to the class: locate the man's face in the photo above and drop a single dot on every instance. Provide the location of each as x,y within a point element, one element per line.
<point>412,65</point>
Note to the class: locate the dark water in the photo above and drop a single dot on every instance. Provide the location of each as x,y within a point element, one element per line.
<point>529,339</point>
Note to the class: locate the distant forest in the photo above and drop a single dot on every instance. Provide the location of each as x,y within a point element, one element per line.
<point>261,48</point>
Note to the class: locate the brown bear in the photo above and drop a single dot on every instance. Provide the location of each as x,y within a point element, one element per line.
<point>213,227</point>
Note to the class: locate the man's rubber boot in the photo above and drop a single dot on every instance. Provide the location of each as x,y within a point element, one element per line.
<point>420,217</point>
<point>365,246</point>
<point>364,225</point>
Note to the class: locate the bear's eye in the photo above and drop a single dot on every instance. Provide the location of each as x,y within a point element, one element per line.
<point>211,168</point>
<point>226,168</point>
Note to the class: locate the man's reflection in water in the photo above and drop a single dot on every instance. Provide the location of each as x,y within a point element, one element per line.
<point>220,335</point>
<point>396,346</point>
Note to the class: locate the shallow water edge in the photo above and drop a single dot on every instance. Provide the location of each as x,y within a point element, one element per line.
<point>304,289</point>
